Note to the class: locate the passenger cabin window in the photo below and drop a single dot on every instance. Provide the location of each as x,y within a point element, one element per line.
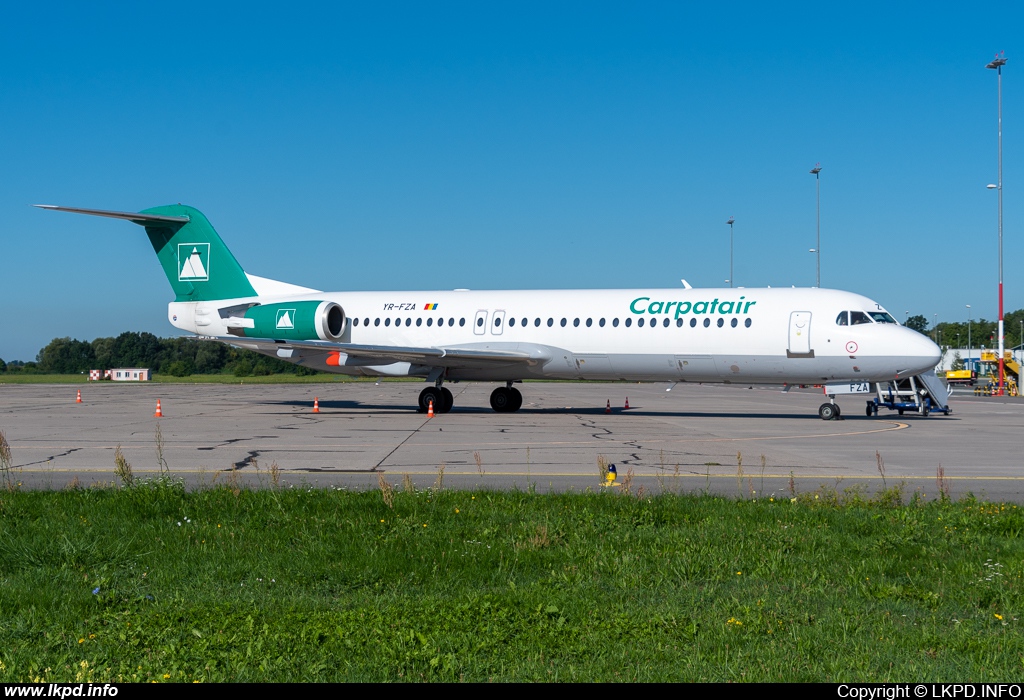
<point>858,317</point>
<point>843,319</point>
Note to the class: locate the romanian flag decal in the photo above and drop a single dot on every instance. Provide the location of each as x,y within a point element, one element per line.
<point>430,307</point>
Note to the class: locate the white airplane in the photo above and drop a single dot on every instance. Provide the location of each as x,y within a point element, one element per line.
<point>742,336</point>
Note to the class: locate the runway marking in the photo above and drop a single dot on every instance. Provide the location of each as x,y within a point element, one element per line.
<point>895,426</point>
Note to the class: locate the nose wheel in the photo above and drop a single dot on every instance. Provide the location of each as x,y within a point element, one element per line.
<point>828,411</point>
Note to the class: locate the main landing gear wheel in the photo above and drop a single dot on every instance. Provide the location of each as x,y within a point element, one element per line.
<point>828,411</point>
<point>506,400</point>
<point>441,397</point>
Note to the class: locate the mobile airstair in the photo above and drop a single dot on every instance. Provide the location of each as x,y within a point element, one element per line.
<point>922,394</point>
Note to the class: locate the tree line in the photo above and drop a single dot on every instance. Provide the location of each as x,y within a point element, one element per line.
<point>179,357</point>
<point>977,332</point>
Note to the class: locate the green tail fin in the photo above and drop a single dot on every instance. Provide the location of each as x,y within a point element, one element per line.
<point>197,263</point>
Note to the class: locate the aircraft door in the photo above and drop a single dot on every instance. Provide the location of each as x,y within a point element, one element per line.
<point>480,322</point>
<point>498,322</point>
<point>800,335</point>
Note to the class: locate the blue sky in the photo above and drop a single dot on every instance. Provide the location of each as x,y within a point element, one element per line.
<point>518,145</point>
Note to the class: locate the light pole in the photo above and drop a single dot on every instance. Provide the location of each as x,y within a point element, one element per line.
<point>817,196</point>
<point>997,65</point>
<point>731,221</point>
<point>970,348</point>
<point>935,327</point>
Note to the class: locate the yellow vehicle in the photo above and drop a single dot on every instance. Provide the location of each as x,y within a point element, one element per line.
<point>1012,367</point>
<point>961,376</point>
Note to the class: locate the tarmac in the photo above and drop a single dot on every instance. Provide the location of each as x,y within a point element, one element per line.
<point>723,439</point>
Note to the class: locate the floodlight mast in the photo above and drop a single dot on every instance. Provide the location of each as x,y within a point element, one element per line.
<point>731,221</point>
<point>817,249</point>
<point>997,65</point>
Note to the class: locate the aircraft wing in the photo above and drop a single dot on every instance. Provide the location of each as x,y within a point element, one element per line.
<point>480,356</point>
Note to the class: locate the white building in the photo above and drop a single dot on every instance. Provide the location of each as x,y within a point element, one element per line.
<point>132,374</point>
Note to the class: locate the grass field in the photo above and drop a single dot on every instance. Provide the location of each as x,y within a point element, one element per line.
<point>156,583</point>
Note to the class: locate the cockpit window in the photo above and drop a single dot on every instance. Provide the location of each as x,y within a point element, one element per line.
<point>843,319</point>
<point>882,317</point>
<point>858,317</point>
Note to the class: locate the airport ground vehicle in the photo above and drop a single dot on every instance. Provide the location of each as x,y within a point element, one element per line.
<point>961,376</point>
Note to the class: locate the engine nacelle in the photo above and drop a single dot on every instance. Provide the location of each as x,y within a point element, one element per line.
<point>297,320</point>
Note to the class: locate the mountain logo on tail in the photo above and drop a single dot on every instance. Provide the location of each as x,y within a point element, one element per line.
<point>286,319</point>
<point>193,262</point>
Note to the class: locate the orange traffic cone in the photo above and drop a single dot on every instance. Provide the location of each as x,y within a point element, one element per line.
<point>608,407</point>
<point>430,409</point>
<point>79,399</point>
<point>626,407</point>
<point>316,404</point>
<point>159,412</point>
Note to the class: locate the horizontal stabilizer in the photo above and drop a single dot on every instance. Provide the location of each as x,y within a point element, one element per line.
<point>140,219</point>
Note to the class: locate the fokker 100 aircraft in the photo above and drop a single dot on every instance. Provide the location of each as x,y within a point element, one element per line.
<point>743,336</point>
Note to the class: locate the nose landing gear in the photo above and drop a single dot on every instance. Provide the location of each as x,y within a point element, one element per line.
<point>829,411</point>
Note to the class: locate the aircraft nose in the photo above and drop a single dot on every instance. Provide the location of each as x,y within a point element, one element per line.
<point>922,353</point>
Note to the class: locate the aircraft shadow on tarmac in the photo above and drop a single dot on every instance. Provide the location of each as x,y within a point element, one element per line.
<point>362,407</point>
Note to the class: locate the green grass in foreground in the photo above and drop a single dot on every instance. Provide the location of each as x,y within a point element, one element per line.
<point>156,583</point>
